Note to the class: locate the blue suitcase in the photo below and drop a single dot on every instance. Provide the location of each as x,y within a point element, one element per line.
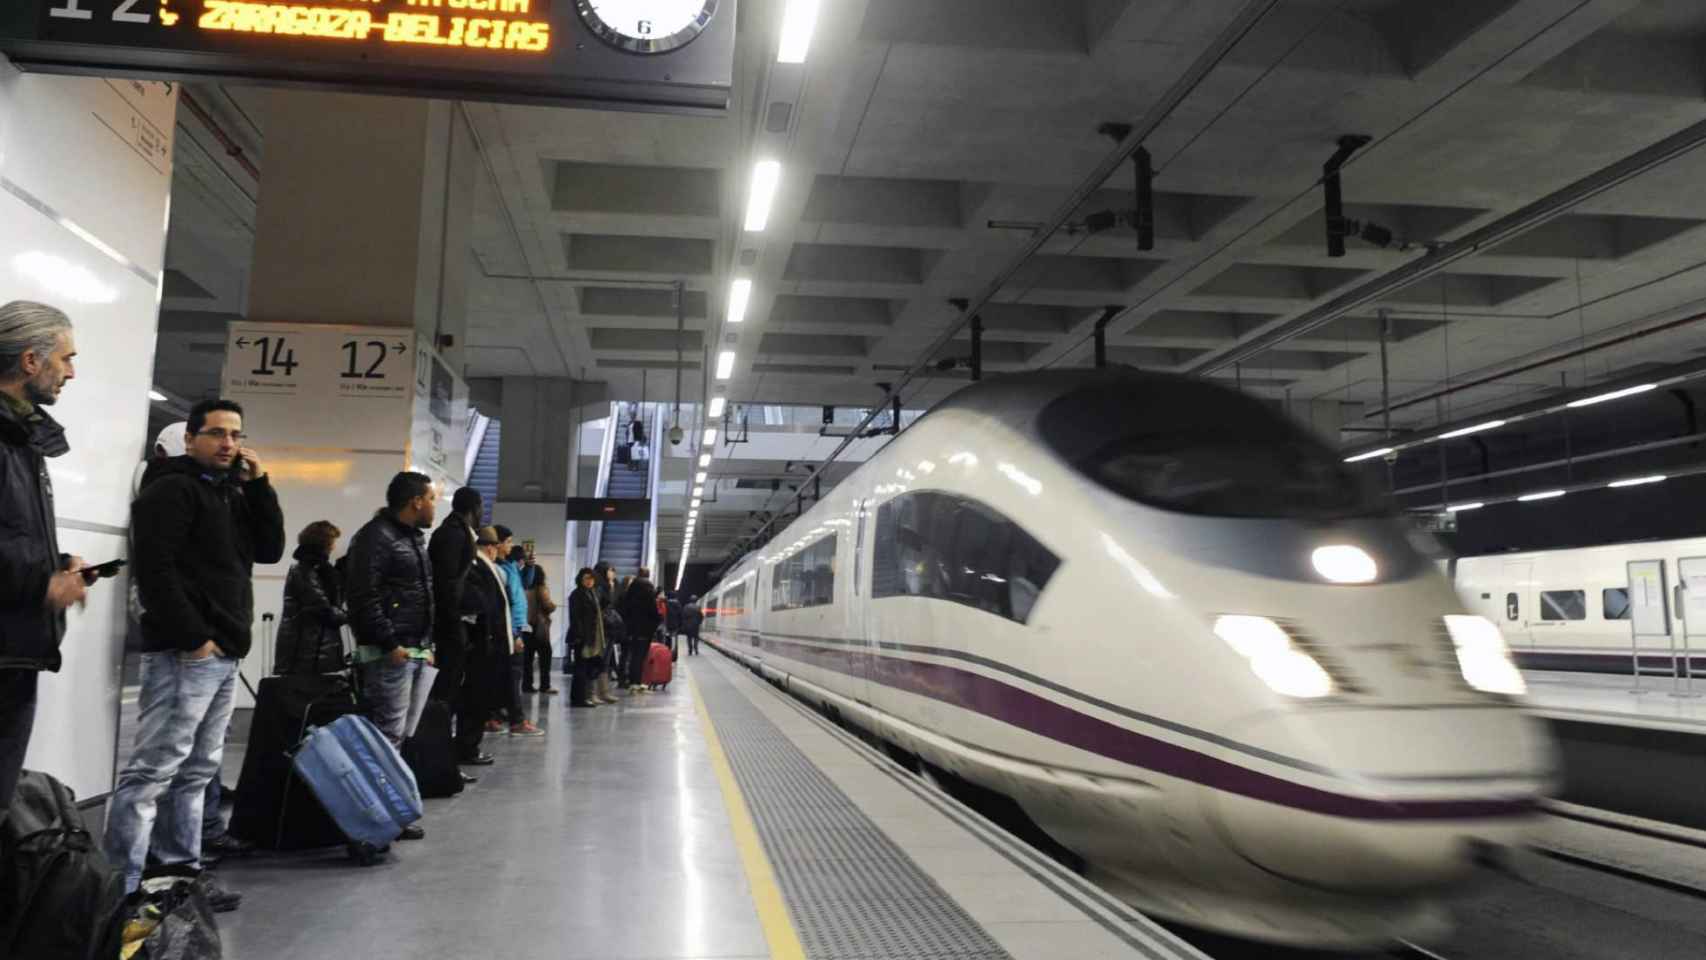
<point>362,782</point>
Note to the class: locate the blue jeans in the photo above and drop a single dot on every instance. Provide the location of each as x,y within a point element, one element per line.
<point>180,744</point>
<point>387,687</point>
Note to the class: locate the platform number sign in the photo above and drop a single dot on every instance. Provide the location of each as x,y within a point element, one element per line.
<point>276,357</point>
<point>357,351</point>
<point>124,12</point>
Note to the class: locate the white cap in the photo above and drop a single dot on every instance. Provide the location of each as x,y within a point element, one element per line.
<point>171,439</point>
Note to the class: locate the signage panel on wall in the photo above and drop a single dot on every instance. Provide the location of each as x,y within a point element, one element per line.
<point>676,55</point>
<point>342,387</point>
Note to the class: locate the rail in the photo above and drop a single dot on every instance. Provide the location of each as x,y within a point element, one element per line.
<point>606,457</point>
<point>654,473</point>
<point>478,424</point>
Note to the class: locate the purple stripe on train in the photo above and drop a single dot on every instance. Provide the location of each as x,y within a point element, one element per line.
<point>1040,715</point>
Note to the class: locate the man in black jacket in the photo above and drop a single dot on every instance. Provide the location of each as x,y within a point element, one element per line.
<point>461,661</point>
<point>37,583</point>
<point>639,609</point>
<point>391,604</point>
<point>200,525</point>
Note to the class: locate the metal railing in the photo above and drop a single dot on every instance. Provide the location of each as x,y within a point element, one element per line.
<point>606,458</point>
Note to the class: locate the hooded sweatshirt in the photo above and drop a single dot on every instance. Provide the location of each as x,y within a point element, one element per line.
<point>199,534</point>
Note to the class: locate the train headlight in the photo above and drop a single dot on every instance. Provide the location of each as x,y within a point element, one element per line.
<point>1343,563</point>
<point>1483,656</point>
<point>1273,657</point>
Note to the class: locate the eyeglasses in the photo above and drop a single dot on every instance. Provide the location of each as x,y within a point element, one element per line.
<point>220,434</point>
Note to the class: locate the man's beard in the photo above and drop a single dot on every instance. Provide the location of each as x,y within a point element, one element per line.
<point>38,393</point>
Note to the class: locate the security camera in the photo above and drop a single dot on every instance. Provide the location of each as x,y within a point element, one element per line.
<point>676,435</point>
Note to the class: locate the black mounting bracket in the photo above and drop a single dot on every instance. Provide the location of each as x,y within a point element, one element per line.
<point>1337,228</point>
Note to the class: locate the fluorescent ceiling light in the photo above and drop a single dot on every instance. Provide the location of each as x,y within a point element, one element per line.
<point>1460,507</point>
<point>700,477</point>
<point>1544,495</point>
<point>766,177</point>
<point>696,504</point>
<point>1638,482</point>
<point>725,364</point>
<point>1614,395</point>
<point>1383,451</point>
<point>717,404</point>
<point>1466,431</point>
<point>710,437</point>
<point>156,396</point>
<point>705,458</point>
<point>698,491</point>
<point>740,294</point>
<point>798,22</point>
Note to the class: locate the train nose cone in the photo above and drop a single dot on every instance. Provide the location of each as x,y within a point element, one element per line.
<point>1383,801</point>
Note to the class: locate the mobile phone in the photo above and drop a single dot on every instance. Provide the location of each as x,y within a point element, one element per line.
<point>102,571</point>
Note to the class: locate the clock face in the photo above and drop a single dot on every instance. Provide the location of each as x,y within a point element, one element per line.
<point>647,26</point>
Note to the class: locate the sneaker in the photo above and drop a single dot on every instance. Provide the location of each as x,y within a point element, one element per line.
<point>526,729</point>
<point>550,691</point>
<point>582,705</point>
<point>494,726</point>
<point>412,832</point>
<point>529,690</point>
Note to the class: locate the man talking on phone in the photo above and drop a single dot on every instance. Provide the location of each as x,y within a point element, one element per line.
<point>37,583</point>
<point>201,523</point>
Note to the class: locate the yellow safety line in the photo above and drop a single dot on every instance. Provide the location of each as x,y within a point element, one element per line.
<point>766,894</point>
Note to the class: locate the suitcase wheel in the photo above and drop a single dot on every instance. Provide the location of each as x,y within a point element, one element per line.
<point>365,854</point>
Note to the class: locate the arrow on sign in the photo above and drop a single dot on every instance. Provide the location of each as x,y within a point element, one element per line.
<point>242,343</point>
<point>400,347</point>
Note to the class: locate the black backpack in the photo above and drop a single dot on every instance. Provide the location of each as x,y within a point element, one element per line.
<point>59,897</point>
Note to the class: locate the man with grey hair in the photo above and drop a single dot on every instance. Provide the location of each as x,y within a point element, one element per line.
<point>37,582</point>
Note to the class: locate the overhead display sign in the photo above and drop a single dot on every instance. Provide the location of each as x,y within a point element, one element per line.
<point>673,55</point>
<point>322,386</point>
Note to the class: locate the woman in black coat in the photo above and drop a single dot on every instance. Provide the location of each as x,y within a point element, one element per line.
<point>587,642</point>
<point>310,640</point>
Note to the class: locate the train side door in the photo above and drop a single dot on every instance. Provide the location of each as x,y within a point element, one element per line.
<point>1519,603</point>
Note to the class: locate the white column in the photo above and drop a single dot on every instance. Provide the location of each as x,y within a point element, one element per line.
<point>85,187</point>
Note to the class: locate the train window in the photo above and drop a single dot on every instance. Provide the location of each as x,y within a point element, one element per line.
<point>710,610</point>
<point>1563,605</point>
<point>1614,603</point>
<point>955,549</point>
<point>1200,450</point>
<point>806,578</point>
<point>1513,607</point>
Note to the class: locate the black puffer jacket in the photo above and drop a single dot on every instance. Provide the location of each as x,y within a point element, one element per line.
<point>29,548</point>
<point>309,641</point>
<point>198,537</point>
<point>390,585</point>
<point>483,599</point>
<point>452,551</point>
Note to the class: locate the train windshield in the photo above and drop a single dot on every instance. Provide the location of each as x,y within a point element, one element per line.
<point>1193,448</point>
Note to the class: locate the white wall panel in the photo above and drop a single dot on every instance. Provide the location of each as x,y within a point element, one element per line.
<point>85,180</point>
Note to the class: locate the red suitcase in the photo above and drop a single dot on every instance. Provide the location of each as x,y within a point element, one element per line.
<point>659,669</point>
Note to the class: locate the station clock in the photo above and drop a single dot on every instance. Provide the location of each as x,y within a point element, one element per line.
<point>647,26</point>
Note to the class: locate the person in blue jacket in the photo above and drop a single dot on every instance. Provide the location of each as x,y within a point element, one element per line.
<point>510,668</point>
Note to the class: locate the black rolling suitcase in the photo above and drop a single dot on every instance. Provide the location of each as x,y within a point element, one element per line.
<point>431,753</point>
<point>275,810</point>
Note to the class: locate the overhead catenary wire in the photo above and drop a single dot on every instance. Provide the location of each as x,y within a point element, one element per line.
<point>1236,30</point>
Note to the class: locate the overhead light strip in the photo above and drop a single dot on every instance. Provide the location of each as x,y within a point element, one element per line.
<point>1614,395</point>
<point>766,177</point>
<point>1477,428</point>
<point>740,295</point>
<point>799,21</point>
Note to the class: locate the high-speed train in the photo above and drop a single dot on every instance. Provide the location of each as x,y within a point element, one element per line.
<point>1165,621</point>
<point>1574,609</point>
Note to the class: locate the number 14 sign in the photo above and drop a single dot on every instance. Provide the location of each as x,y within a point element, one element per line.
<point>301,379</point>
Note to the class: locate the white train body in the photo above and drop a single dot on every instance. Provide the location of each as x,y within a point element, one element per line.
<point>1106,704</point>
<point>1570,609</point>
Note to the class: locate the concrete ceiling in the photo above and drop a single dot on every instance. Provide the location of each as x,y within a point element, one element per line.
<point>915,123</point>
